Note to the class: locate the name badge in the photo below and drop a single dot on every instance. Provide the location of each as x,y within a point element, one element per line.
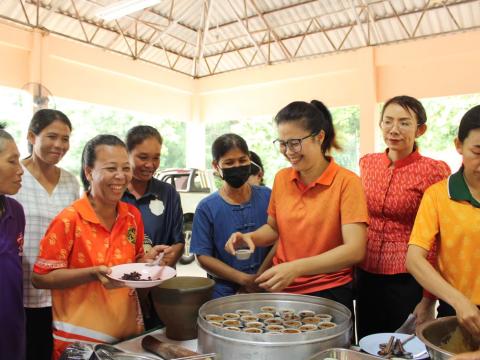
<point>156,207</point>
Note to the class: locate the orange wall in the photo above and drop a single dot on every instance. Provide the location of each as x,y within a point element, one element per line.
<point>73,70</point>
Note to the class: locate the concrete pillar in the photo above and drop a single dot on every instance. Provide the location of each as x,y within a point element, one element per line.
<point>195,136</point>
<point>368,103</point>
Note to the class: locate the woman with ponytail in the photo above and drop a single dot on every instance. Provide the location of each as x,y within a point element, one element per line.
<point>317,211</point>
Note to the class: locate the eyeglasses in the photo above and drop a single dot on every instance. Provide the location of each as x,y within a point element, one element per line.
<point>294,145</point>
<point>402,125</point>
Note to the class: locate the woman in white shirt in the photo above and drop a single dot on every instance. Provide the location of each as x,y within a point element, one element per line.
<point>47,189</point>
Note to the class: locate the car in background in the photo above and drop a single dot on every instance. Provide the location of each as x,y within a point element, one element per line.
<point>193,185</point>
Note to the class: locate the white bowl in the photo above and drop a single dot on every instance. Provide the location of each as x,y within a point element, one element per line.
<point>243,254</point>
<point>155,273</point>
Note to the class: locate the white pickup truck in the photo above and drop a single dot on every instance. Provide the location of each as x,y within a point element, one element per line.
<point>193,185</point>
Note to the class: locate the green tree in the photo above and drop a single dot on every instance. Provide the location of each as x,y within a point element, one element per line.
<point>89,120</point>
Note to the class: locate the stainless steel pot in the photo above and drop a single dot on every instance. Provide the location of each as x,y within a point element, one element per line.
<point>342,354</point>
<point>230,345</point>
<point>434,332</point>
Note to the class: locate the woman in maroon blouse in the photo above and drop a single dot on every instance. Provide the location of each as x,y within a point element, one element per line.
<point>394,182</point>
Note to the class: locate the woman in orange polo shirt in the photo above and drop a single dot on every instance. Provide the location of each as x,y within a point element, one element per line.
<point>82,243</point>
<point>317,211</point>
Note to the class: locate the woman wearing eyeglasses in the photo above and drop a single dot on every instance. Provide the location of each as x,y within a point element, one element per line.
<point>394,182</point>
<point>317,211</point>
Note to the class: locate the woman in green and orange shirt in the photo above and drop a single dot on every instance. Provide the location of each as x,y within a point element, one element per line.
<point>317,211</point>
<point>449,215</point>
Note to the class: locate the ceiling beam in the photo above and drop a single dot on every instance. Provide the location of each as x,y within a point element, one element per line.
<point>178,56</point>
<point>303,38</point>
<point>209,4</point>
<point>220,57</point>
<point>373,23</point>
<point>195,64</point>
<point>324,30</point>
<point>451,16</point>
<point>102,26</point>
<point>80,20</point>
<point>270,29</point>
<point>427,3</point>
<point>359,23</point>
<point>8,19</point>
<point>125,39</point>
<point>165,31</point>
<point>246,31</point>
<point>25,12</point>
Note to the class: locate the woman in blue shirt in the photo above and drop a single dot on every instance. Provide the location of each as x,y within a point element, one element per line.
<point>237,206</point>
<point>158,202</point>
<point>12,227</point>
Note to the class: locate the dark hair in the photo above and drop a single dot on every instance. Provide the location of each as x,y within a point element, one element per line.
<point>4,136</point>
<point>256,166</point>
<point>256,159</point>
<point>409,104</point>
<point>89,154</point>
<point>470,121</point>
<point>137,134</point>
<point>43,118</point>
<point>314,117</point>
<point>227,142</point>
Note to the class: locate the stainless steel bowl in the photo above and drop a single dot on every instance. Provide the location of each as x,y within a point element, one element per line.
<point>342,354</point>
<point>231,345</point>
<point>433,332</point>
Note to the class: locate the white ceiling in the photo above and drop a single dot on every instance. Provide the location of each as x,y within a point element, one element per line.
<point>207,37</point>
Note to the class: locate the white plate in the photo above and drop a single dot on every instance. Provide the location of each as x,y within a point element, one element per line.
<point>146,271</point>
<point>371,344</point>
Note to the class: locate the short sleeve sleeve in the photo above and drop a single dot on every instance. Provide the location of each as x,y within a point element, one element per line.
<point>426,226</point>
<point>56,244</point>
<point>440,172</point>
<point>202,233</point>
<point>177,220</point>
<point>353,207</point>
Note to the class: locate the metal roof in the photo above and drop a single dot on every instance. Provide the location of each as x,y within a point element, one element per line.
<point>207,37</point>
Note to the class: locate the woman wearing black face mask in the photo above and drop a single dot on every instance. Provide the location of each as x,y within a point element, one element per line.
<point>237,206</point>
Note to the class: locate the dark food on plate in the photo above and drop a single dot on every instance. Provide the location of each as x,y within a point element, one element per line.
<point>135,276</point>
<point>394,348</point>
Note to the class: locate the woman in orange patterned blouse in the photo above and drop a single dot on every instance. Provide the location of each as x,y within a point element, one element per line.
<point>82,243</point>
<point>394,182</point>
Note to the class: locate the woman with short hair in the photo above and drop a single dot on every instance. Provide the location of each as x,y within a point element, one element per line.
<point>12,227</point>
<point>158,202</point>
<point>236,206</point>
